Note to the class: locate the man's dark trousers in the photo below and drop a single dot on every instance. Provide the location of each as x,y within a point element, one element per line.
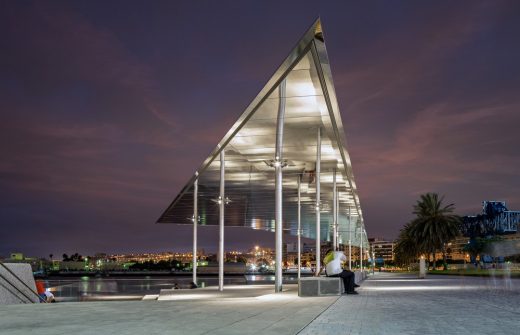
<point>348,280</point>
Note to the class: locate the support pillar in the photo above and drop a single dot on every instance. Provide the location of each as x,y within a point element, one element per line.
<point>318,190</point>
<point>361,248</point>
<point>278,165</point>
<point>349,240</point>
<point>195,223</point>
<point>337,220</point>
<point>222,203</point>
<point>334,212</point>
<point>299,227</point>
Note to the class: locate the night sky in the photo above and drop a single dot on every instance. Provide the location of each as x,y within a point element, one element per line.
<point>108,107</point>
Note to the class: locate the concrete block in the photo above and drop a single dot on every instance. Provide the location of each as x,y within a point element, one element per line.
<point>308,287</point>
<point>331,286</point>
<point>320,286</point>
<point>9,285</point>
<point>359,276</point>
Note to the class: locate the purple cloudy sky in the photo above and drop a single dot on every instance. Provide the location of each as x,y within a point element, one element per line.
<point>107,107</point>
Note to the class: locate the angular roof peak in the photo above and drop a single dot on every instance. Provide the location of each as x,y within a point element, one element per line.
<point>318,32</point>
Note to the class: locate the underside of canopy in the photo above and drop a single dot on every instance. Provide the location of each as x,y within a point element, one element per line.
<point>250,144</point>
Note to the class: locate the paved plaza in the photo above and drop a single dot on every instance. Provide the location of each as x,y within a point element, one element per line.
<point>403,304</point>
<point>387,304</point>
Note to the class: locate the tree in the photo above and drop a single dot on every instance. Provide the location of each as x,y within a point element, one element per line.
<point>474,248</point>
<point>434,225</point>
<point>406,249</point>
<point>241,259</point>
<point>76,258</point>
<point>479,246</point>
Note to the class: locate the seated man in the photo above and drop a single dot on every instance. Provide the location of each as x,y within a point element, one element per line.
<point>333,266</point>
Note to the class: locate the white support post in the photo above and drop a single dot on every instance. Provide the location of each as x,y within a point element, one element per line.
<point>318,190</point>
<point>278,165</point>
<point>349,240</point>
<point>337,220</point>
<point>222,203</point>
<point>361,248</point>
<point>195,223</point>
<point>299,228</point>
<point>334,211</point>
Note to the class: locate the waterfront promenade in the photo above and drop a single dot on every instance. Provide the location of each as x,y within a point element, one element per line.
<point>387,304</point>
<point>402,304</point>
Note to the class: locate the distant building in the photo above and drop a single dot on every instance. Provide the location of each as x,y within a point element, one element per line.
<point>16,256</point>
<point>383,249</point>
<point>455,250</point>
<point>308,254</point>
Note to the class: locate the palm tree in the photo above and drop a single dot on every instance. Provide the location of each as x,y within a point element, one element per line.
<point>434,225</point>
<point>406,249</point>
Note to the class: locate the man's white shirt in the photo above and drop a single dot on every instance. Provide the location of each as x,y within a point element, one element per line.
<point>334,266</point>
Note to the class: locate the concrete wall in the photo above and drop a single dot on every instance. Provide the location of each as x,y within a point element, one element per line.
<point>8,294</point>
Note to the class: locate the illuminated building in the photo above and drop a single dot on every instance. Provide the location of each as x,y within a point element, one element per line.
<point>383,250</point>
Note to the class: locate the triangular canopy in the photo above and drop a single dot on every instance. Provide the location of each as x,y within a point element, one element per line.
<point>310,103</point>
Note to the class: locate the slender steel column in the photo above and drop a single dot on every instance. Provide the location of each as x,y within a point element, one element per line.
<point>278,165</point>
<point>349,239</point>
<point>318,219</point>
<point>361,248</point>
<point>195,223</point>
<point>299,227</point>
<point>222,203</point>
<point>337,220</point>
<point>334,211</point>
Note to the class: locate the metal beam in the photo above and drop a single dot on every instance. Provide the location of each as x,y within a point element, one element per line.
<point>195,222</point>
<point>278,165</point>
<point>318,218</point>
<point>222,203</point>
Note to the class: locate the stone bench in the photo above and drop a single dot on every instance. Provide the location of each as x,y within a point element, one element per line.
<point>323,285</point>
<point>360,276</point>
<point>320,286</point>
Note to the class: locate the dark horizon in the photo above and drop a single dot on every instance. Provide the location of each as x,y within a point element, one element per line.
<point>108,108</point>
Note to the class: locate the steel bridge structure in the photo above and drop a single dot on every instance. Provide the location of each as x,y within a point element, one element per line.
<point>495,219</point>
